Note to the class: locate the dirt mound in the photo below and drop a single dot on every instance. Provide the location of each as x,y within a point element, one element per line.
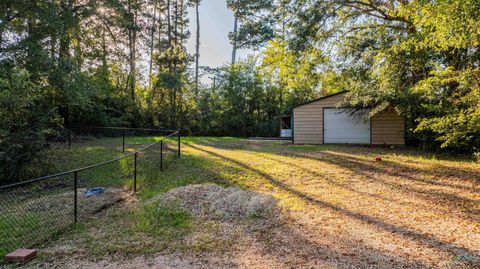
<point>212,201</point>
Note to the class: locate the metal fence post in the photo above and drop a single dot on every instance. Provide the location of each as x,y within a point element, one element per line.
<point>178,141</point>
<point>75,199</point>
<point>161,155</point>
<point>69,138</point>
<point>135,174</point>
<point>123,143</point>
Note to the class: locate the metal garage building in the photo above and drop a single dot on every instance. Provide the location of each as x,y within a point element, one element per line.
<point>321,121</point>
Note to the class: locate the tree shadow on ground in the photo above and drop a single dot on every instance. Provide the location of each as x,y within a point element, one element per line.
<point>289,246</point>
<point>423,239</point>
<point>369,169</point>
<point>343,185</point>
<point>456,178</point>
<point>465,174</point>
<point>397,168</point>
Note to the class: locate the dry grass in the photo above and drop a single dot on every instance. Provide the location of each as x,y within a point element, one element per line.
<point>341,209</point>
<point>408,210</point>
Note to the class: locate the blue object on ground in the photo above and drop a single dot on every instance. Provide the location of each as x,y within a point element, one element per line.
<point>94,191</point>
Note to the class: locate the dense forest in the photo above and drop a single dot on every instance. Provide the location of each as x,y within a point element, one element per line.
<point>125,63</point>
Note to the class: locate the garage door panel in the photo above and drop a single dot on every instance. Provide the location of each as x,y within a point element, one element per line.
<point>341,128</point>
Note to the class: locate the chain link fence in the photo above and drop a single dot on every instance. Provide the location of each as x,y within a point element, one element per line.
<point>34,211</point>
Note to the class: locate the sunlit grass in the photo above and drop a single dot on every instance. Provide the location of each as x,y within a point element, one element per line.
<point>31,216</point>
<point>165,220</point>
<point>336,186</point>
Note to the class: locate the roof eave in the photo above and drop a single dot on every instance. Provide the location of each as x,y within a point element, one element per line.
<point>320,98</point>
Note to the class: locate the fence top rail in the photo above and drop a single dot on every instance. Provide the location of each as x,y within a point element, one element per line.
<point>18,184</point>
<point>156,142</point>
<point>123,128</point>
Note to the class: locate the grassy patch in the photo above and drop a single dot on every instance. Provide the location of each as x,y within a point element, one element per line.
<point>411,201</point>
<point>23,224</point>
<point>162,220</point>
<point>29,215</point>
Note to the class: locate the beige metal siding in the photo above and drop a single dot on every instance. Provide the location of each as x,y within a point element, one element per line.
<point>308,120</point>
<point>388,128</point>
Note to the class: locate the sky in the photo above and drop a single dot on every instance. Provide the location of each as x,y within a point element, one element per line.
<point>216,21</point>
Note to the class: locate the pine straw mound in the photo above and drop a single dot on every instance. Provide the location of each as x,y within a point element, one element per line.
<point>214,202</point>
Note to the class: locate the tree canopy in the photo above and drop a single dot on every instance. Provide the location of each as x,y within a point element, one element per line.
<point>422,57</point>
<point>125,63</point>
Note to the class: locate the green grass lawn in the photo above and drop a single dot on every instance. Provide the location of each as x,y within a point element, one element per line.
<point>29,215</point>
<point>411,209</point>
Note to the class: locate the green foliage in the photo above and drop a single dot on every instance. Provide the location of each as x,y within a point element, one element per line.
<point>293,75</point>
<point>419,56</point>
<point>249,96</point>
<point>26,121</point>
<point>78,62</point>
<point>457,120</point>
<point>257,26</point>
<point>242,104</point>
<point>63,62</point>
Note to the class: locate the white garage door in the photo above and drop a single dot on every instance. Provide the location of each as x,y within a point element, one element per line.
<point>341,128</point>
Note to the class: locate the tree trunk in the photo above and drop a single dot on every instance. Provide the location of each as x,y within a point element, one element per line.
<point>169,24</point>
<point>132,48</point>
<point>64,56</point>
<point>169,31</point>
<point>134,56</point>
<point>64,50</point>
<point>6,20</point>
<point>152,33</point>
<point>159,37</point>
<point>78,47</point>
<point>160,32</point>
<point>197,48</point>
<point>235,29</point>
<point>53,45</point>
<point>175,27</point>
<point>174,92</point>
<point>104,50</point>
<point>180,14</point>
<point>1,37</point>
